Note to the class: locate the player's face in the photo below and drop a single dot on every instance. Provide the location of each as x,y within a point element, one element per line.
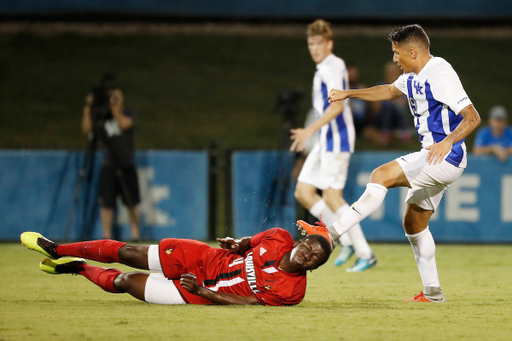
<point>402,57</point>
<point>307,254</point>
<point>319,48</point>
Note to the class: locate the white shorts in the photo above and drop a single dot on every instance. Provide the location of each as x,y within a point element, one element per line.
<point>325,169</point>
<point>159,289</point>
<point>428,182</point>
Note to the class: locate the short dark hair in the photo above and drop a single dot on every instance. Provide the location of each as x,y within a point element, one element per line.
<point>408,34</point>
<point>326,246</point>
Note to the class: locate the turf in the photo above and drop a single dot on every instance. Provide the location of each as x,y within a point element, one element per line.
<point>338,305</point>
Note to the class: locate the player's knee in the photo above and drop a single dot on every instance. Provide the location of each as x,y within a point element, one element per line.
<point>300,195</point>
<point>122,282</point>
<point>134,255</point>
<point>378,174</point>
<point>334,201</point>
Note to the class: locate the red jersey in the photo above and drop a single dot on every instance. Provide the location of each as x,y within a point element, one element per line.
<point>256,273</point>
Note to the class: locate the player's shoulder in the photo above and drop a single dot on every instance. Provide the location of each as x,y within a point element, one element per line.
<point>437,66</point>
<point>332,62</point>
<point>279,231</point>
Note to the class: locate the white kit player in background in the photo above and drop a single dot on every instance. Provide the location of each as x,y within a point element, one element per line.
<point>443,116</point>
<point>326,166</point>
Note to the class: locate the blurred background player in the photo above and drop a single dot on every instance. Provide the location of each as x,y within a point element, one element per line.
<point>496,138</point>
<point>444,116</point>
<point>326,166</point>
<point>106,119</point>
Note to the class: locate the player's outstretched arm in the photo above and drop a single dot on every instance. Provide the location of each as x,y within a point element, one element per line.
<point>189,282</point>
<point>384,92</point>
<point>470,120</point>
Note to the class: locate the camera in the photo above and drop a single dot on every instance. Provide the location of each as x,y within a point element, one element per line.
<point>101,93</point>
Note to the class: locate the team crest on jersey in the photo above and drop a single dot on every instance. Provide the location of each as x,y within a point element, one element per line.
<point>267,285</point>
<point>418,87</point>
<point>170,249</point>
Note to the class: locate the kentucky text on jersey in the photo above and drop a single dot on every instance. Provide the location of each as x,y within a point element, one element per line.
<point>436,97</point>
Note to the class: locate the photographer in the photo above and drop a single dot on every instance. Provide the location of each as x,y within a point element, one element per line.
<point>106,119</point>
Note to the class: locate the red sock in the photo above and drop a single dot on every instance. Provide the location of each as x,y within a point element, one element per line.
<point>104,251</point>
<point>102,277</point>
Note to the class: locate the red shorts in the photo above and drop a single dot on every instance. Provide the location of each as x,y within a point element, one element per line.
<point>181,256</point>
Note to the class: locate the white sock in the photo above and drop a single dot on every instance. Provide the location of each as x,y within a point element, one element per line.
<point>320,208</point>
<point>345,239</point>
<point>368,203</point>
<point>356,236</point>
<point>424,252</point>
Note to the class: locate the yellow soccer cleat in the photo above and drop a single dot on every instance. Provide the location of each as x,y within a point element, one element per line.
<point>35,241</point>
<point>64,265</point>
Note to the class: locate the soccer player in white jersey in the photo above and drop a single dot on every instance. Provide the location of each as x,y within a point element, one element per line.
<point>444,116</point>
<point>326,166</point>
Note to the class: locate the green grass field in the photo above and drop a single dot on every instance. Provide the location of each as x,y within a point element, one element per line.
<point>338,305</point>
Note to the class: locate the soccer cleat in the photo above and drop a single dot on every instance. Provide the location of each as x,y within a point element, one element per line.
<point>421,298</point>
<point>345,253</point>
<point>35,241</point>
<point>318,228</point>
<point>363,264</point>
<point>65,265</point>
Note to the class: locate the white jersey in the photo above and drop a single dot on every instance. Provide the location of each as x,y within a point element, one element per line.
<point>339,134</point>
<point>436,97</point>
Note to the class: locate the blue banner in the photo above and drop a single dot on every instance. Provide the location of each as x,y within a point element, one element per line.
<point>37,191</point>
<point>477,208</point>
<point>262,192</point>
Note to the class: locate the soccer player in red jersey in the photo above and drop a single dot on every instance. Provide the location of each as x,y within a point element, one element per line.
<point>268,268</point>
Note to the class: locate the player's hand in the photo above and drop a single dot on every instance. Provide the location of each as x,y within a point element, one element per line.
<point>229,243</point>
<point>437,152</point>
<point>299,137</point>
<point>189,282</point>
<point>337,95</point>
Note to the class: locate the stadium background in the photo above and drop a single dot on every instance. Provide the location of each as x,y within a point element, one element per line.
<point>204,79</point>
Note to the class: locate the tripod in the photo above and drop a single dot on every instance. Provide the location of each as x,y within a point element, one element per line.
<point>84,176</point>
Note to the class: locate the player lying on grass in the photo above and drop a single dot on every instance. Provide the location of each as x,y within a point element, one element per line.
<point>268,268</point>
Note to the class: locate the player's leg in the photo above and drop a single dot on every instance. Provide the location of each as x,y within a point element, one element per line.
<point>107,215</point>
<point>133,211</point>
<point>105,250</point>
<point>308,197</point>
<point>359,245</point>
<point>416,229</point>
<point>386,176</point>
<point>129,188</point>
<point>107,196</point>
<point>151,288</point>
